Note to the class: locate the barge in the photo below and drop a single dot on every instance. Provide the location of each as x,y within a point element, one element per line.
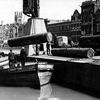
<point>22,76</point>
<point>19,76</point>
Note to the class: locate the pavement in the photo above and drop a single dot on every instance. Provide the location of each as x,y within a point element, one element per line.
<point>96,57</point>
<point>94,60</point>
<point>50,57</point>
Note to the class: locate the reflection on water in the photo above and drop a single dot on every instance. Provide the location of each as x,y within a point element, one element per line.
<point>44,76</point>
<point>45,87</point>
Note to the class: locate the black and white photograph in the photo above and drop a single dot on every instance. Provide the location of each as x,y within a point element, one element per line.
<point>49,49</point>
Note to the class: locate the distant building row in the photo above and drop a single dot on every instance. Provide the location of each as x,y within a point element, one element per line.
<point>11,30</point>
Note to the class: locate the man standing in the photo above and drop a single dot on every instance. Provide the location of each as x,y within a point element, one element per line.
<point>37,49</point>
<point>23,56</point>
<point>11,58</point>
<point>48,48</point>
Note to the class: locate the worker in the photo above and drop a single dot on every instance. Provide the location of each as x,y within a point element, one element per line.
<point>48,48</point>
<point>37,49</point>
<point>23,56</point>
<point>11,58</point>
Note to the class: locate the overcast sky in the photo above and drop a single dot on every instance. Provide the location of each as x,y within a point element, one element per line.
<point>51,9</point>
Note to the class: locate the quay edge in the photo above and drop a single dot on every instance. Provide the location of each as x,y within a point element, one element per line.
<point>82,72</point>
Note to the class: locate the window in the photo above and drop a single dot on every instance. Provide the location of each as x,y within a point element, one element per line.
<point>98,27</point>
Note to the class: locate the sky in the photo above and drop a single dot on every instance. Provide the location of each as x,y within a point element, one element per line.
<point>51,9</point>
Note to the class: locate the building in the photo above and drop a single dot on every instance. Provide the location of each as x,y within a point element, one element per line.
<point>18,24</point>
<point>1,35</point>
<point>75,26</point>
<point>12,30</point>
<point>60,29</point>
<point>97,21</point>
<point>18,17</point>
<point>72,28</point>
<point>90,15</point>
<point>85,23</point>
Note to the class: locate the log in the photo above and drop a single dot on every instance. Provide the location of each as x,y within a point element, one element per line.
<point>90,41</point>
<point>33,39</point>
<point>73,52</point>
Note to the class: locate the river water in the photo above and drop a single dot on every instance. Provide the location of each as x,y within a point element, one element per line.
<point>25,93</point>
<point>6,51</point>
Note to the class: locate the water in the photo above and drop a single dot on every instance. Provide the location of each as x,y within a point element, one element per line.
<point>24,93</point>
<point>18,93</point>
<point>6,51</point>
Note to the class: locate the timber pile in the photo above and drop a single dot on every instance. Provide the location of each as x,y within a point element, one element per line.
<point>90,41</point>
<point>73,52</point>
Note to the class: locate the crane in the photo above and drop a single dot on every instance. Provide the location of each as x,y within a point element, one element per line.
<point>31,8</point>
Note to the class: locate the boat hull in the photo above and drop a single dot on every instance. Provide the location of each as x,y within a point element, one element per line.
<point>19,78</point>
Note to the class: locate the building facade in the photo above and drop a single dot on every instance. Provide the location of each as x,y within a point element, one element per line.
<point>90,17</point>
<point>18,24</point>
<point>18,17</point>
<point>1,35</point>
<point>13,30</point>
<point>71,29</point>
<point>97,21</point>
<point>60,29</point>
<point>75,26</point>
<point>85,23</point>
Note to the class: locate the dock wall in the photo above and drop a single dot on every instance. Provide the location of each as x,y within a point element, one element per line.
<point>85,73</point>
<point>77,74</point>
